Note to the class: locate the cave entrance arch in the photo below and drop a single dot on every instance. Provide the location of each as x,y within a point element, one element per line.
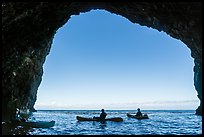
<point>28,30</point>
<point>61,69</point>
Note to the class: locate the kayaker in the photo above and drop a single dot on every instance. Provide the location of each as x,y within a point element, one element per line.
<point>139,113</point>
<point>19,117</point>
<point>103,114</point>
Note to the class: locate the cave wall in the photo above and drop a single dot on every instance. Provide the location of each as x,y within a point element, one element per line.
<point>28,29</point>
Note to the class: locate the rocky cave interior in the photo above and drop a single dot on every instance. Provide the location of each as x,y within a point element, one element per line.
<point>28,29</point>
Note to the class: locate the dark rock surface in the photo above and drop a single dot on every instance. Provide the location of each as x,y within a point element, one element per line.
<point>28,29</point>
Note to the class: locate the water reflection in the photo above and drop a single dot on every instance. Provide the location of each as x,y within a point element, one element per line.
<point>8,129</point>
<point>103,125</point>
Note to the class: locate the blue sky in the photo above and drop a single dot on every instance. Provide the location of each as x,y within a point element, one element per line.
<point>102,60</point>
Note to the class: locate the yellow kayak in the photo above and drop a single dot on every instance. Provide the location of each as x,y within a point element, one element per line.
<point>115,119</point>
<point>145,116</point>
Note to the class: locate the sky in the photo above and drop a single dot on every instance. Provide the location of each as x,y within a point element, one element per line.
<point>102,60</point>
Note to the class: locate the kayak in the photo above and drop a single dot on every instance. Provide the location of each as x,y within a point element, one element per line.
<point>115,119</point>
<point>37,124</point>
<point>138,117</point>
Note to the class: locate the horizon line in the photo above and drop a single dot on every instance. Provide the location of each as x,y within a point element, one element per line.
<point>112,109</point>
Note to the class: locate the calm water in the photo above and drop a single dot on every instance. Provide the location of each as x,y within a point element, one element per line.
<point>160,122</point>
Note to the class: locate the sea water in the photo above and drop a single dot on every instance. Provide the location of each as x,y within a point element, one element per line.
<point>160,122</point>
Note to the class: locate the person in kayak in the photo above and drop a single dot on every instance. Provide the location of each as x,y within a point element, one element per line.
<point>102,115</point>
<point>19,117</point>
<point>139,113</point>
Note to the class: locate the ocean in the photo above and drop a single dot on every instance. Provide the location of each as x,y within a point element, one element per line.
<point>160,122</point>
